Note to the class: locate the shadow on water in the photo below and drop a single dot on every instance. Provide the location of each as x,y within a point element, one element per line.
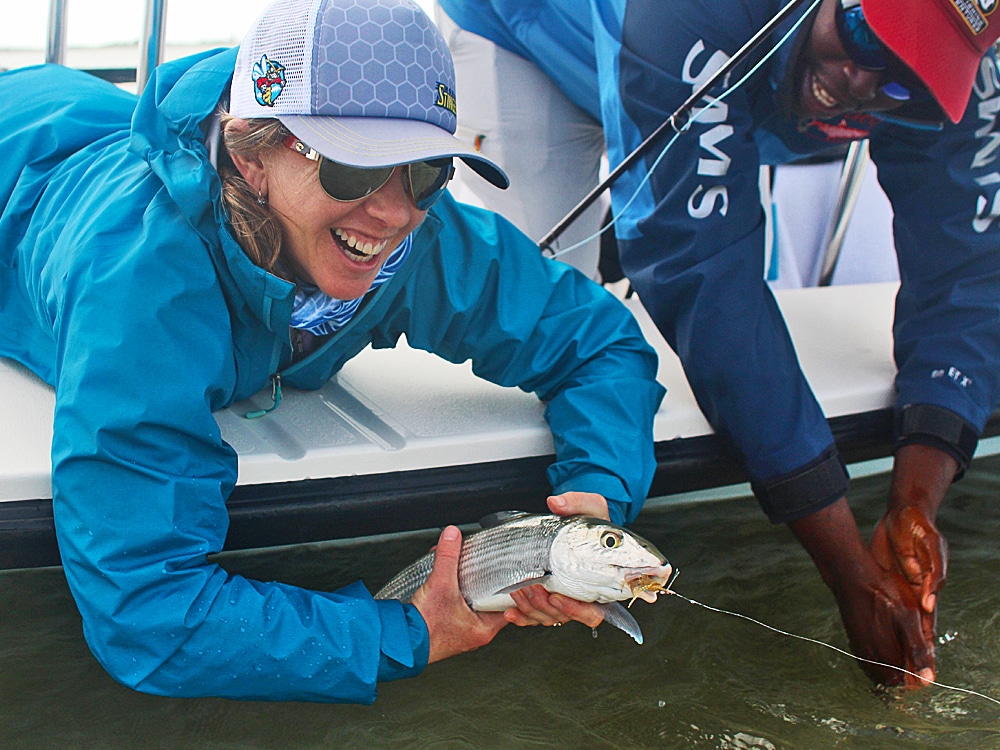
<point>702,679</point>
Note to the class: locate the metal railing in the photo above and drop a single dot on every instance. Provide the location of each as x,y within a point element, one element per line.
<point>855,166</point>
<point>150,43</point>
<point>55,43</point>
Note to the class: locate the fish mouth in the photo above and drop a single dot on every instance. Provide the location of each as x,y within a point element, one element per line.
<point>647,583</point>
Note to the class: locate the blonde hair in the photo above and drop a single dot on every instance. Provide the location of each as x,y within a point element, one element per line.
<point>254,225</point>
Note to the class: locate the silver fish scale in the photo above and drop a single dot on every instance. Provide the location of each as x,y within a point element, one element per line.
<point>492,559</point>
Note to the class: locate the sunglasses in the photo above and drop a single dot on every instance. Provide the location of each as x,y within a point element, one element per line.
<point>425,181</point>
<point>867,52</point>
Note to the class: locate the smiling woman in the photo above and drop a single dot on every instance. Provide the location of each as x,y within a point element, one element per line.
<point>262,215</point>
<point>345,208</point>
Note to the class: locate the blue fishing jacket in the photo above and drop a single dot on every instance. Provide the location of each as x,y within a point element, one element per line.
<point>121,286</point>
<point>692,242</point>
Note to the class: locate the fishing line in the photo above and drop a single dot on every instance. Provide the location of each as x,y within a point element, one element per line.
<point>712,103</point>
<point>832,647</point>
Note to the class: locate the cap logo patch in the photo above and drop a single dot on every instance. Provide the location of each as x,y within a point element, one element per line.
<point>268,81</point>
<point>446,98</point>
<point>974,12</point>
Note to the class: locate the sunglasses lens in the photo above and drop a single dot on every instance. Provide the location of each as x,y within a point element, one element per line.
<point>897,91</point>
<point>858,39</point>
<point>867,52</point>
<point>344,183</point>
<point>428,180</point>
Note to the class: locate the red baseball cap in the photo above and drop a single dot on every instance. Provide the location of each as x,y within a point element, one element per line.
<point>942,41</point>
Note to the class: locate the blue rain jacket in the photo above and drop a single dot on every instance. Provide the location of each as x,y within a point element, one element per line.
<point>122,288</point>
<point>692,242</point>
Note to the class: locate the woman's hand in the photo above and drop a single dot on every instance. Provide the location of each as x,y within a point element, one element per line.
<point>453,627</point>
<point>579,503</point>
<point>536,606</point>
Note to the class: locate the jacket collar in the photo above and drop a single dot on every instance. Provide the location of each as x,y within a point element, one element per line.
<point>167,134</point>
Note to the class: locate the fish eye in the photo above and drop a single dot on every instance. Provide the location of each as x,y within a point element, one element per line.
<point>611,539</point>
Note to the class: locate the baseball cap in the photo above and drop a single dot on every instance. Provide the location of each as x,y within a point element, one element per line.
<point>368,83</point>
<point>942,41</point>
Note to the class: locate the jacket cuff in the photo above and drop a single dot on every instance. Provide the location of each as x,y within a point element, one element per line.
<point>941,428</point>
<point>803,492</point>
<point>405,643</point>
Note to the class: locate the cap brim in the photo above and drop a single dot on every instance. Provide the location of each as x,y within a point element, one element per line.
<point>932,46</point>
<point>385,141</point>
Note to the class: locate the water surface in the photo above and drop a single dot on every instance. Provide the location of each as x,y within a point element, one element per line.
<point>702,679</point>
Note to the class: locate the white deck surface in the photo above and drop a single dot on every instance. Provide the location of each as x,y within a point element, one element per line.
<point>401,409</point>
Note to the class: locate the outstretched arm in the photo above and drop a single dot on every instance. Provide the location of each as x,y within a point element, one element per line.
<point>543,327</point>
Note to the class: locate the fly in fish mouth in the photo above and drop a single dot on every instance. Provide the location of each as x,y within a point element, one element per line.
<point>646,587</point>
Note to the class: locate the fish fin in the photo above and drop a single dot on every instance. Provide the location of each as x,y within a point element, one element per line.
<point>615,614</point>
<point>526,582</point>
<point>500,517</point>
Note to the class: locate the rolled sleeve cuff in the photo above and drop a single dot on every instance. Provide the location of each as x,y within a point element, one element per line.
<point>805,491</point>
<point>405,643</point>
<point>937,427</point>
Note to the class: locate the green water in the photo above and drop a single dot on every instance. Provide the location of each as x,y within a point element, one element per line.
<point>702,680</point>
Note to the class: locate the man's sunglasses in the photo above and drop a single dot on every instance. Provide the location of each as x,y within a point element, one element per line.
<point>425,181</point>
<point>867,52</point>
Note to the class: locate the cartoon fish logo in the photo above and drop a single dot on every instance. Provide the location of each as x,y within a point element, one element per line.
<point>268,81</point>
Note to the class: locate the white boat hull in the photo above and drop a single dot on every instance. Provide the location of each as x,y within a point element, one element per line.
<point>401,439</point>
